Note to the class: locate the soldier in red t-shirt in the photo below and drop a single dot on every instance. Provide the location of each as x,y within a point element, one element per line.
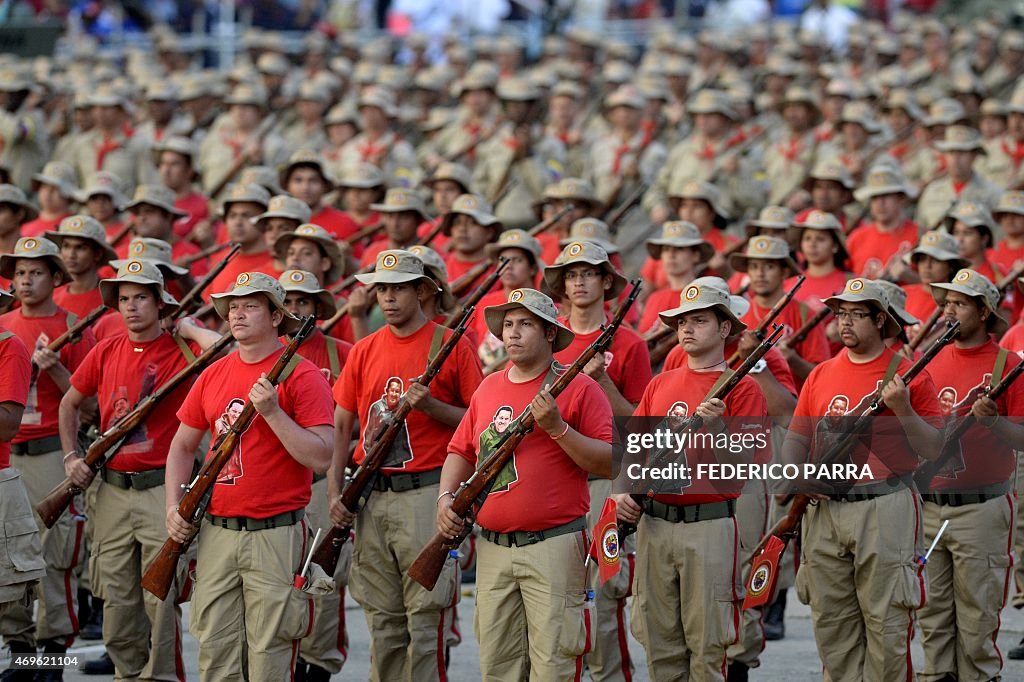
<point>531,584</point>
<point>284,213</point>
<point>861,541</point>
<point>305,178</point>
<point>128,523</point>
<point>36,269</point>
<point>84,250</point>
<point>470,226</point>
<point>255,539</point>
<point>153,214</point>
<point>679,251</point>
<point>687,584</point>
<point>969,569</point>
<point>239,209</point>
<point>407,623</point>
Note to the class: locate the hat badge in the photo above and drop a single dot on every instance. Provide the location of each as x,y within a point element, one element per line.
<point>277,203</point>
<point>75,223</point>
<point>855,285</point>
<point>416,249</point>
<point>515,296</point>
<point>575,249</point>
<point>296,276</point>
<point>513,237</point>
<point>469,202</point>
<point>242,279</point>
<point>962,276</point>
<point>138,248</point>
<point>306,229</point>
<point>134,267</point>
<point>389,261</point>
<point>761,245</point>
<point>29,244</point>
<point>691,293</point>
<point>930,238</point>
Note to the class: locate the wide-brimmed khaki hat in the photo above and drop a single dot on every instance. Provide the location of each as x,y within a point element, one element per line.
<point>104,183</point>
<point>243,194</point>
<point>739,305</point>
<point>361,176</point>
<point>137,271</point>
<point>32,247</point>
<point>307,283</point>
<point>251,284</point>
<point>10,194</point>
<point>285,206</point>
<point>704,191</point>
<point>796,94</point>
<point>897,302</point>
<point>306,158</point>
<point>380,98</point>
<point>576,190</point>
<point>434,265</point>
<point>156,250</point>
<point>680,234</point>
<point>342,112</point>
<point>624,96</point>
<point>264,176</point>
<point>702,297</point>
<point>770,218</point>
<point>712,102</point>
<point>824,221</point>
<point>1016,103</point>
<point>904,100</point>
<point>514,89</point>
<point>588,253</point>
<point>976,285</point>
<point>961,139</point>
<point>248,94</point>
<point>829,169</point>
<point>83,227</point>
<point>972,214</point>
<point>882,181</point>
<point>1010,201</point>
<point>321,237</point>
<point>399,199</point>
<point>591,230</point>
<point>860,113</point>
<point>477,208</point>
<point>938,244</point>
<point>763,247</point>
<point>944,111</point>
<point>58,174</point>
<point>535,302</point>
<point>517,239</point>
<point>859,290</point>
<point>453,172</point>
<point>106,95</point>
<point>156,195</point>
<point>397,266</point>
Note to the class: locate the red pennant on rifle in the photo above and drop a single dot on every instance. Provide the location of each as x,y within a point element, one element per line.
<point>764,573</point>
<point>604,548</point>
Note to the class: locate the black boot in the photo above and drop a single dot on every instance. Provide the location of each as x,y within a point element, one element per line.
<point>737,672</point>
<point>99,666</point>
<point>1017,652</point>
<point>18,675</point>
<point>317,674</point>
<point>773,623</point>
<point>92,626</point>
<point>301,671</point>
<point>51,647</point>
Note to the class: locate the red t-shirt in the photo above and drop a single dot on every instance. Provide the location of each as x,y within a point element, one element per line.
<point>16,369</point>
<point>850,386</point>
<point>315,350</point>
<point>658,302</point>
<point>775,362</point>
<point>690,388</point>
<point>36,228</point>
<point>39,420</point>
<point>338,223</point>
<point>242,262</point>
<point>1005,257</point>
<point>120,373</point>
<point>371,252</point>
<point>79,304</point>
<point>960,375</point>
<point>814,289</point>
<point>1013,339</point>
<point>112,230</point>
<point>109,325</point>
<point>550,245</point>
<point>920,302</point>
<point>813,349</point>
<point>439,241</point>
<point>870,249</point>
<point>457,268</point>
<point>627,362</point>
<point>261,479</point>
<point>198,208</point>
<point>652,270</point>
<point>540,487</point>
<point>375,377</point>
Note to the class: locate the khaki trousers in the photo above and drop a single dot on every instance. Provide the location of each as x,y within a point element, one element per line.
<point>608,658</point>
<point>1018,568</point>
<point>142,633</point>
<point>530,617</point>
<point>57,594</point>
<point>968,582</point>
<point>327,645</point>
<point>752,516</point>
<point>858,572</point>
<point>406,622</point>
<point>245,597</point>
<point>21,552</point>
<point>685,596</point>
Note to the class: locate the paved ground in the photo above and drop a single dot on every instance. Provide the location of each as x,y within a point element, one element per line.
<point>794,658</point>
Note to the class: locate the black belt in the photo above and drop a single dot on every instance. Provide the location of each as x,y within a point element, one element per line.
<point>245,523</point>
<point>691,513</point>
<point>39,446</point>
<point>318,477</point>
<point>137,480</point>
<point>399,483</point>
<point>959,499</point>
<point>871,491</point>
<point>523,538</point>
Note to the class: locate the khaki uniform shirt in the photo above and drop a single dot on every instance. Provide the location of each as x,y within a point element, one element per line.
<point>219,152</point>
<point>788,160</point>
<point>1003,163</point>
<point>23,145</point>
<point>938,197</point>
<point>394,156</point>
<point>125,157</point>
<point>610,157</point>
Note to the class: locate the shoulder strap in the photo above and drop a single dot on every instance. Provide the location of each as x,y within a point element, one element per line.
<point>6,335</point>
<point>721,380</point>
<point>894,365</point>
<point>332,357</point>
<point>436,342</point>
<point>70,320</point>
<point>289,368</point>
<point>997,369</point>
<point>190,357</point>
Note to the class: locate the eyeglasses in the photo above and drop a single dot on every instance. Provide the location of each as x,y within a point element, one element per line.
<point>852,315</point>
<point>585,275</point>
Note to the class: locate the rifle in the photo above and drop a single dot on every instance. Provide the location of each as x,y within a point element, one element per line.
<point>122,233</point>
<point>473,492</point>
<point>695,422</point>
<point>546,224</point>
<point>762,326</point>
<point>357,489</point>
<point>1008,282</point>
<point>455,156</point>
<point>813,321</point>
<point>365,233</point>
<point>645,142</point>
<point>100,452</point>
<point>926,329</point>
<point>741,149</point>
<point>158,577</point>
<point>786,527</point>
<point>73,334</point>
<point>660,344</point>
<point>479,292</point>
<point>616,216</point>
<point>261,132</point>
<point>194,299</point>
<point>211,250</point>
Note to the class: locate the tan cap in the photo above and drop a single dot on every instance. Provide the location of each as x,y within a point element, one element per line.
<point>972,214</point>
<point>517,239</point>
<point>240,194</point>
<point>976,285</point>
<point>264,176</point>
<point>476,207</point>
<point>321,237</point>
<point>32,247</point>
<point>830,169</point>
<point>882,181</point>
<point>704,191</point>
<point>946,112</point>
<point>588,253</point>
<point>307,158</point>
<point>905,101</point>
<point>860,290</point>
<point>342,113</point>
<point>624,96</point>
<point>825,221</point>
<point>860,113</point>
<point>796,94</point>
<point>361,176</point>
<point>938,244</point>
<point>897,296</point>
<point>591,230</point>
<point>106,95</point>
<point>307,283</point>
<point>286,206</point>
<point>60,175</point>
<point>993,107</point>
<point>532,301</point>
<point>104,183</point>
<point>515,89</point>
<point>156,250</point>
<point>396,266</point>
<point>273,63</point>
<point>156,195</point>
<point>701,297</point>
<point>773,218</point>
<point>960,139</point>
<point>10,194</point>
<point>1010,201</point>
<point>762,247</point>
<point>712,102</point>
<point>247,93</point>
<point>1016,104</point>
<point>83,227</point>
<point>159,90</point>
<point>399,199</point>
<point>380,98</point>
<point>573,189</point>
<point>680,234</point>
<point>138,271</point>
<point>434,265</point>
<point>250,284</point>
<point>453,172</point>
<point>312,91</point>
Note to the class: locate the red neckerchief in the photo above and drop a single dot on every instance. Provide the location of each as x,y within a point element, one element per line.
<point>1016,155</point>
<point>740,137</point>
<point>105,146</point>
<point>236,147</point>
<point>792,150</point>
<point>823,133</point>
<point>958,187</point>
<point>620,151</point>
<point>369,150</point>
<point>899,150</point>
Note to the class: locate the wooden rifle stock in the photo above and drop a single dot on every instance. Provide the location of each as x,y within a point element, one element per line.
<point>762,326</point>
<point>801,334</point>
<point>259,134</point>
<point>472,493</point>
<point>365,233</point>
<point>1007,283</point>
<point>57,500</point>
<point>211,250</point>
<point>479,292</point>
<point>787,525</point>
<point>194,299</point>
<point>160,574</point>
<point>616,216</point>
<point>660,344</point>
<point>545,225</point>
<point>74,333</point>
<point>926,329</point>
<point>357,489</point>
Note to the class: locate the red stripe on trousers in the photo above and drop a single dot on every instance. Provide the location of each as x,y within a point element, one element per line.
<point>442,674</point>
<point>68,597</point>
